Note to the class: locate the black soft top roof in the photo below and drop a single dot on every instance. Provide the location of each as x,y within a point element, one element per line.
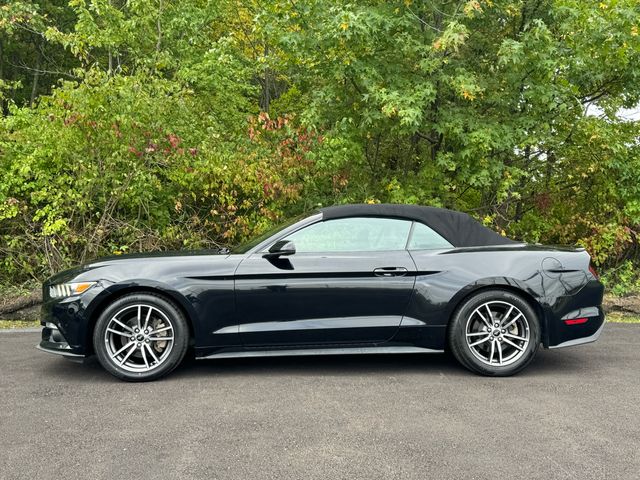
<point>459,229</point>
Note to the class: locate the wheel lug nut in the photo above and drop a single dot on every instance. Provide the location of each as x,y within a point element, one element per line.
<point>504,331</point>
<point>139,344</point>
<point>496,325</point>
<point>147,340</point>
<point>500,338</point>
<point>133,338</point>
<point>137,330</point>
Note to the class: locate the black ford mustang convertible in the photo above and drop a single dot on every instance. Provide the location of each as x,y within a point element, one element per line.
<point>343,280</point>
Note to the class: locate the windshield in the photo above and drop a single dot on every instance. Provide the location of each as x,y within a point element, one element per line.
<point>245,247</point>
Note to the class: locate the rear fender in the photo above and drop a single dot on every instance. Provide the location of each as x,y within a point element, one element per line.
<point>513,285</point>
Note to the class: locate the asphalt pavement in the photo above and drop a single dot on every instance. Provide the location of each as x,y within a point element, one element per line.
<point>573,414</point>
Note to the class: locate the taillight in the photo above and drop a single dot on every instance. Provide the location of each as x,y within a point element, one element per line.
<point>593,271</point>
<point>576,321</point>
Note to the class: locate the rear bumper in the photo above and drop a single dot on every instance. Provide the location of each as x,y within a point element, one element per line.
<point>581,340</point>
<point>566,333</point>
<point>575,319</point>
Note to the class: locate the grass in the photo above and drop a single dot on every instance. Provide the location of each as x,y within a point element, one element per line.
<point>18,290</point>
<point>13,324</point>
<point>619,318</point>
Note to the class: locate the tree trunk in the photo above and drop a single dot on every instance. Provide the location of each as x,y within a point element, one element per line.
<point>266,95</point>
<point>36,77</point>
<point>3,103</point>
<point>1,60</point>
<point>159,28</point>
<point>521,184</point>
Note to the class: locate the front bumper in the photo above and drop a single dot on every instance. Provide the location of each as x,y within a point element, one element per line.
<point>58,352</point>
<point>66,323</point>
<point>54,342</point>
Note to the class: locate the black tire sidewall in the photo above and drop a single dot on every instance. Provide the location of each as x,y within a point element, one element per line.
<point>457,334</point>
<point>180,334</point>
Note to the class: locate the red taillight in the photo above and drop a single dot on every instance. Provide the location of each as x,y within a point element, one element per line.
<point>576,321</point>
<point>593,272</point>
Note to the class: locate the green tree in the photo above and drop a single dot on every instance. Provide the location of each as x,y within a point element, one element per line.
<point>478,105</point>
<point>30,65</point>
<point>158,144</point>
<point>162,124</point>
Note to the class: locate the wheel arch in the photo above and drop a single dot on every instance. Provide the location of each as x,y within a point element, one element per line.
<point>474,290</point>
<point>115,292</point>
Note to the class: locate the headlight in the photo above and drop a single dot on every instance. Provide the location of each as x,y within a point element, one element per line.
<point>69,289</point>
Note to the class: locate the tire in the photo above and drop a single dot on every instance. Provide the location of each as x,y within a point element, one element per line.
<point>498,351</point>
<point>141,337</point>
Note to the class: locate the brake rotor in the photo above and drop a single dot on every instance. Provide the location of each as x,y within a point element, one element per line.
<point>157,324</point>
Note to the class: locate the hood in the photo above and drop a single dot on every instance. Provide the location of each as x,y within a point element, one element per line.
<point>152,265</point>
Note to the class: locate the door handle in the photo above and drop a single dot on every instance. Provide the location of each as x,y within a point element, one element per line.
<point>390,271</point>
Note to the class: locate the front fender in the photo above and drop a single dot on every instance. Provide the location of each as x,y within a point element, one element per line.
<point>111,291</point>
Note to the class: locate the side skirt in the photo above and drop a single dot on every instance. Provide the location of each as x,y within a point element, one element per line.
<point>319,351</point>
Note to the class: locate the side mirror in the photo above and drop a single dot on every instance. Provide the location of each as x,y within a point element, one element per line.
<point>281,248</point>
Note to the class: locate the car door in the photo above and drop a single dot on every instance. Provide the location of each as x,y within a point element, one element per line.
<point>349,281</point>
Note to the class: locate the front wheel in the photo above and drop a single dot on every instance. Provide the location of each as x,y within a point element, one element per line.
<point>495,333</point>
<point>141,337</point>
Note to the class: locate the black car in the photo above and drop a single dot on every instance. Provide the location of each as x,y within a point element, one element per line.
<point>342,280</point>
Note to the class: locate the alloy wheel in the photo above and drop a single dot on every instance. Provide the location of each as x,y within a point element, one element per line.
<point>139,338</point>
<point>497,333</point>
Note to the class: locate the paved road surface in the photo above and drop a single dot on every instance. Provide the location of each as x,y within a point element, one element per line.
<point>575,413</point>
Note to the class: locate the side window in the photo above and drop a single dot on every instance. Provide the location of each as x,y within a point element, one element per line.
<point>424,238</point>
<point>362,234</point>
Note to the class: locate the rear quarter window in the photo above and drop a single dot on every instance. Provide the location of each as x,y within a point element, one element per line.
<point>425,238</point>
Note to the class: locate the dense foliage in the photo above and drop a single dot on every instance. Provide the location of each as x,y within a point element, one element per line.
<point>162,124</point>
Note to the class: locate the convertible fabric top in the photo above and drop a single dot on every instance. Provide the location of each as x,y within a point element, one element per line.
<point>459,229</point>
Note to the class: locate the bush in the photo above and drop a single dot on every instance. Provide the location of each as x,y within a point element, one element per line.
<point>136,163</point>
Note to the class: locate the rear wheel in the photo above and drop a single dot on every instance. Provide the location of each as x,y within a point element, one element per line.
<point>141,337</point>
<point>495,333</point>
